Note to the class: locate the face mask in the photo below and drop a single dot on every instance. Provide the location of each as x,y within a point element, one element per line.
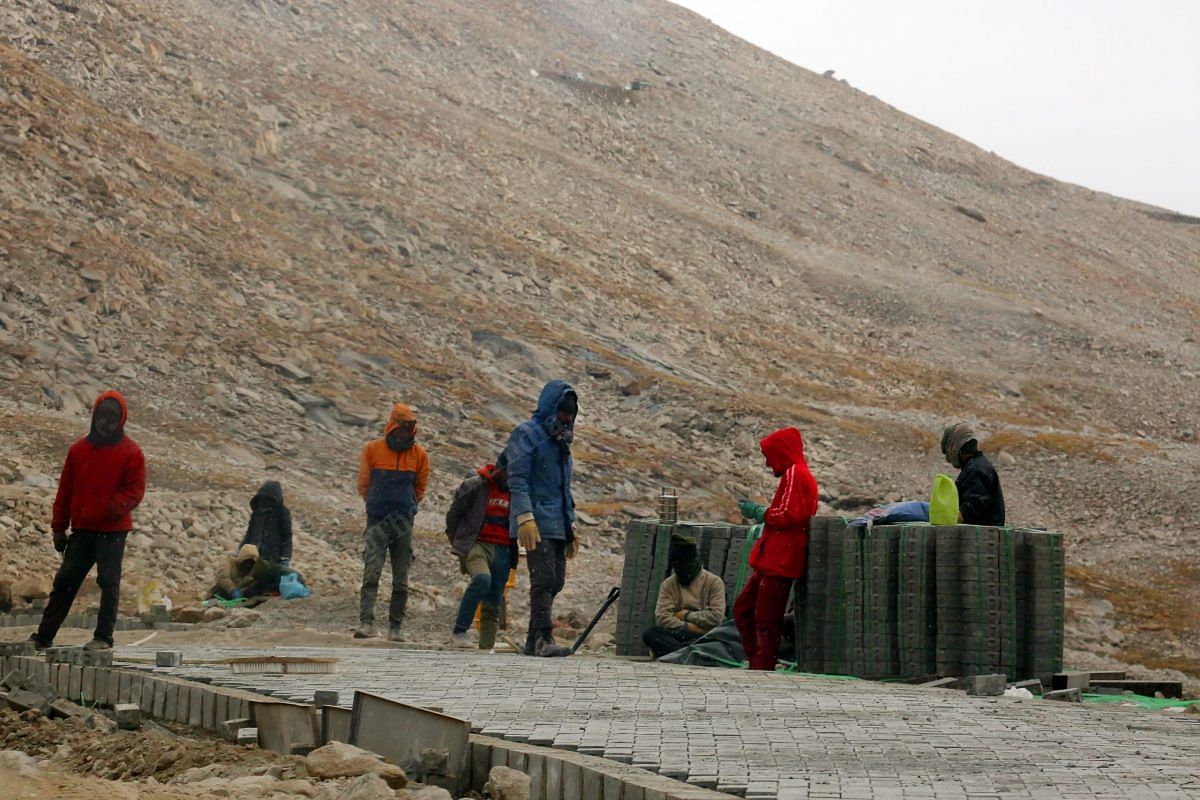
<point>401,441</point>
<point>106,423</point>
<point>686,573</point>
<point>561,431</point>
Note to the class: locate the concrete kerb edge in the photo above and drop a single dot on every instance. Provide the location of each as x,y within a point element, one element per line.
<point>568,775</point>
<point>559,774</point>
<point>143,686</point>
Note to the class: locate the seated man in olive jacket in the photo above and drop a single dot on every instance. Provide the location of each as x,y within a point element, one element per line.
<point>691,602</point>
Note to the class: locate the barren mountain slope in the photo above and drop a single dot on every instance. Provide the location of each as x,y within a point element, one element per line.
<point>265,221</point>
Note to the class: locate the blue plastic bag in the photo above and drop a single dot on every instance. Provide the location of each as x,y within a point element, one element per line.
<point>290,587</point>
<point>894,514</point>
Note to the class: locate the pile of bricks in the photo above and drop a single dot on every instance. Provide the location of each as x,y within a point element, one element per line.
<point>647,545</point>
<point>892,601</point>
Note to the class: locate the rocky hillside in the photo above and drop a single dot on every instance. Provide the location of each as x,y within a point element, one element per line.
<point>265,220</point>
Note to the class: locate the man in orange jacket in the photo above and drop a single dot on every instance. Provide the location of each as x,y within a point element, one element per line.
<point>102,482</point>
<point>392,476</point>
<point>778,557</point>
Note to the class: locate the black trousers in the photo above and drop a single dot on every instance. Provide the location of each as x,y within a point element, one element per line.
<point>547,573</point>
<point>86,549</point>
<point>662,641</point>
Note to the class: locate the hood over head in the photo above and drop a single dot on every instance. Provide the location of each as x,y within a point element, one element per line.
<point>397,439</point>
<point>782,449</point>
<point>400,413</point>
<point>110,397</point>
<point>954,438</point>
<point>553,394</point>
<point>247,552</point>
<point>270,491</point>
<point>684,559</point>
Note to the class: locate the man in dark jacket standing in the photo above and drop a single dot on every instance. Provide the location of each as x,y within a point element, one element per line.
<point>980,499</point>
<point>779,555</point>
<point>477,526</point>
<point>103,481</point>
<point>542,514</point>
<point>270,530</point>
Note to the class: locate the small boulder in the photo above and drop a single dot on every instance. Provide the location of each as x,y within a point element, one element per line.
<point>367,787</point>
<point>505,783</point>
<point>340,760</point>
<point>190,614</point>
<point>34,587</point>
<point>18,762</point>
<point>428,793</point>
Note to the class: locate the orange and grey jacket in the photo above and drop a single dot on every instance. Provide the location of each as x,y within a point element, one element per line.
<point>392,482</point>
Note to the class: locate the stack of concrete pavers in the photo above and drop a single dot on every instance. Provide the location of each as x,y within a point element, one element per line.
<point>887,601</point>
<point>881,596</point>
<point>916,601</point>
<point>722,551</point>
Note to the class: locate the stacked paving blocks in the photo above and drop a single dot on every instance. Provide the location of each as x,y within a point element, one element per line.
<point>888,601</point>
<point>916,601</point>
<point>647,546</point>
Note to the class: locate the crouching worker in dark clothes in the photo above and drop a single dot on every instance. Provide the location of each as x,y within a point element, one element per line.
<point>478,528</point>
<point>102,482</point>
<point>691,602</point>
<point>980,499</point>
<point>270,531</point>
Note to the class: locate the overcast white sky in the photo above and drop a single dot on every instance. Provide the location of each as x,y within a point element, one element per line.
<point>1103,93</point>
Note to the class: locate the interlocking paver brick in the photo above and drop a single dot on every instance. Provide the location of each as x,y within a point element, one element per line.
<point>765,736</point>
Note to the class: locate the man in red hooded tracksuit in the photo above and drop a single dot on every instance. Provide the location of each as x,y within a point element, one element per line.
<point>102,481</point>
<point>778,557</point>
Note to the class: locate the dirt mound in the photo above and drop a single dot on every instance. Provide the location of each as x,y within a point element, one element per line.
<point>153,752</point>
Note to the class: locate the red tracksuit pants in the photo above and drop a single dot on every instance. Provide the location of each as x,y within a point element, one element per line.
<point>758,613</point>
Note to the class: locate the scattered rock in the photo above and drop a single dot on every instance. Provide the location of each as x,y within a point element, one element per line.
<point>505,783</point>
<point>339,760</point>
<point>367,787</point>
<point>19,762</point>
<point>188,614</point>
<point>428,793</point>
<point>33,587</point>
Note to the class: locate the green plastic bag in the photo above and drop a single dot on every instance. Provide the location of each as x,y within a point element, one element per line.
<point>943,503</point>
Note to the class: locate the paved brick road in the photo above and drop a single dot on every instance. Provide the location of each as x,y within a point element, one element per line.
<point>769,736</point>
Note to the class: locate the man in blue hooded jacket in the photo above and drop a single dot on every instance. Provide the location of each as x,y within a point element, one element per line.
<point>542,510</point>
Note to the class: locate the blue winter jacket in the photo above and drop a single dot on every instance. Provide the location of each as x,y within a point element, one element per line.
<point>539,470</point>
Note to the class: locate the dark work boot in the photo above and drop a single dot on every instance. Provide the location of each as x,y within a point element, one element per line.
<point>545,647</point>
<point>489,624</point>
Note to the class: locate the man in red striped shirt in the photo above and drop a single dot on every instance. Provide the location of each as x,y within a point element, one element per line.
<point>478,528</point>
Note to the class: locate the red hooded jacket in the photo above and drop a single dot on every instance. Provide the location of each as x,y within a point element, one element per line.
<point>782,549</point>
<point>100,484</point>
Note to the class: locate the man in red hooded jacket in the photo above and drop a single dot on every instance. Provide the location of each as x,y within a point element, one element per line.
<point>778,557</point>
<point>102,481</point>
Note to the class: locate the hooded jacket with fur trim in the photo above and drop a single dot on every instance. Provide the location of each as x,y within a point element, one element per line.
<point>101,484</point>
<point>782,549</point>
